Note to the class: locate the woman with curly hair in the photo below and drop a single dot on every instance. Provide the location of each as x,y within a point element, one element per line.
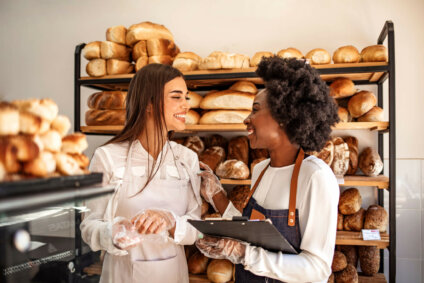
<point>299,193</point>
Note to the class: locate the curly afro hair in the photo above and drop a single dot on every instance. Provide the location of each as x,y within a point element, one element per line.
<point>299,99</point>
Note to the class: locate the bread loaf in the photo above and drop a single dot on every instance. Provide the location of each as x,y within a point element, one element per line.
<point>61,124</point>
<point>376,114</point>
<point>224,117</point>
<point>327,153</point>
<point>370,162</point>
<point>369,259</point>
<point>108,100</point>
<point>96,68</point>
<point>29,123</point>
<point>361,103</point>
<point>195,99</point>
<point>339,262</point>
<point>234,61</point>
<point>213,156</point>
<point>44,108</point>
<point>233,169</point>
<point>352,144</point>
<point>350,201</point>
<point>340,163</point>
<point>197,263</point>
<point>354,222</point>
<point>94,117</point>
<point>220,270</point>
<point>161,59</point>
<point>216,140</point>
<point>340,220</point>
<point>74,143</point>
<point>238,148</point>
<point>351,254</point>
<point>255,162</point>
<point>210,63</point>
<point>290,53</point>
<point>118,67</point>
<point>192,117</point>
<point>343,115</point>
<point>342,87</point>
<point>9,156</point>
<point>66,165</point>
<point>348,275</point>
<point>228,99</point>
<point>346,54</point>
<point>9,119</point>
<point>318,56</point>
<point>42,166</point>
<point>376,217</point>
<point>26,149</point>
<point>116,34</point>
<point>91,50</point>
<point>374,53</point>
<point>160,46</point>
<point>147,30</point>
<point>254,61</point>
<point>112,50</point>
<point>52,141</point>
<point>141,62</point>
<point>139,50</point>
<point>186,61</point>
<point>238,196</point>
<point>244,86</point>
<point>195,143</point>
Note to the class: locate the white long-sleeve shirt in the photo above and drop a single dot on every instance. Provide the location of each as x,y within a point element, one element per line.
<point>317,203</point>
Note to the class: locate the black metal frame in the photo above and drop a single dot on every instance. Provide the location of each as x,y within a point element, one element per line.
<point>389,70</point>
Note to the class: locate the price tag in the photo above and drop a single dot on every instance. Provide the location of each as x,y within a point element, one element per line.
<point>370,235</point>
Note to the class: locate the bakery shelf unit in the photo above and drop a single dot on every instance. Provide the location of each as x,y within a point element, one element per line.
<point>375,73</point>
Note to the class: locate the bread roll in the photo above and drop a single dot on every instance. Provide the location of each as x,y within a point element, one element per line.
<point>81,159</point>
<point>351,254</point>
<point>350,201</point>
<point>346,54</point>
<point>342,87</point>
<point>228,99</point>
<point>9,156</point>
<point>186,61</point>
<point>376,114</point>
<point>118,67</point>
<point>195,143</point>
<point>109,100</point>
<point>238,148</point>
<point>376,217</point>
<point>52,141</point>
<point>41,166</point>
<point>139,50</point>
<point>116,34</point>
<point>370,162</point>
<point>233,169</point>
<point>195,99</point>
<point>74,143</point>
<point>361,103</point>
<point>210,63</point>
<point>340,220</point>
<point>224,117</point>
<point>352,144</point>
<point>254,61</point>
<point>94,117</point>
<point>141,62</point>
<point>44,108</point>
<point>9,119</point>
<point>374,53</point>
<point>161,59</point>
<point>192,118</point>
<point>220,270</point>
<point>318,56</point>
<point>197,263</point>
<point>238,196</point>
<point>327,153</point>
<point>213,156</point>
<point>66,165</point>
<point>26,148</point>
<point>29,123</point>
<point>61,124</point>
<point>348,275</point>
<point>96,68</point>
<point>112,50</point>
<point>340,163</point>
<point>354,222</point>
<point>244,86</point>
<point>369,259</point>
<point>343,115</point>
<point>290,53</point>
<point>147,30</point>
<point>234,61</point>
<point>339,262</point>
<point>91,50</point>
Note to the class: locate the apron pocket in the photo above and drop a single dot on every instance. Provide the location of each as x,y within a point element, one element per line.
<point>156,271</point>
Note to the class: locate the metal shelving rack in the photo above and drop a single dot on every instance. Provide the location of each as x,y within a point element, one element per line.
<point>360,73</point>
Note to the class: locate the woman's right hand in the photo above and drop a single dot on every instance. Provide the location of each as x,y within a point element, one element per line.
<point>210,185</point>
<point>124,235</point>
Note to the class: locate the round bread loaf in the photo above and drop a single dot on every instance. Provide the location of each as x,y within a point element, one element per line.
<point>238,148</point>
<point>361,103</point>
<point>370,162</point>
<point>192,118</point>
<point>195,143</point>
<point>351,254</point>
<point>346,54</point>
<point>233,169</point>
<point>348,275</point>
<point>290,53</point>
<point>29,123</point>
<point>369,259</point>
<point>254,61</point>
<point>220,270</point>
<point>41,166</point>
<point>354,222</point>
<point>244,86</point>
<point>61,124</point>
<point>116,34</point>
<point>339,262</point>
<point>141,62</point>
<point>91,50</point>
<point>186,61</point>
<point>197,263</point>
<point>374,53</point>
<point>327,153</point>
<point>343,115</point>
<point>376,217</point>
<point>52,141</point>
<point>224,117</point>
<point>147,30</point>
<point>66,165</point>
<point>342,87</point>
<point>24,146</point>
<point>352,144</point>
<point>96,68</point>
<point>376,114</point>
<point>318,56</point>
<point>339,221</point>
<point>74,143</point>
<point>350,201</point>
<point>195,99</point>
<point>212,157</point>
<point>95,117</point>
<point>109,100</point>
<point>139,50</point>
<point>238,196</point>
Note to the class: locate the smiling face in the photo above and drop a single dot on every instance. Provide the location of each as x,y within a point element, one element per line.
<point>263,130</point>
<point>175,104</point>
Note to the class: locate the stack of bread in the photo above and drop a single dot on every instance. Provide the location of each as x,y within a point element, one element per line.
<point>106,108</point>
<point>143,43</point>
<point>34,141</point>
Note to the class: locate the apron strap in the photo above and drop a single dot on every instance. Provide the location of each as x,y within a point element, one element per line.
<point>293,188</point>
<point>254,187</point>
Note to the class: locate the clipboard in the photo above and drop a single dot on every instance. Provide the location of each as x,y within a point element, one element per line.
<point>259,233</point>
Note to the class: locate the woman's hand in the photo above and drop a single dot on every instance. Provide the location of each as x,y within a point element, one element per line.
<point>210,185</point>
<point>124,235</point>
<point>153,221</point>
<point>222,248</point>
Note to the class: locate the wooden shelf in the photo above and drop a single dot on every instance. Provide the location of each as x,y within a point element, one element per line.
<point>235,182</point>
<point>355,239</point>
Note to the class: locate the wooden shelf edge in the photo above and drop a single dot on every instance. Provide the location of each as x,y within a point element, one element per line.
<point>347,238</point>
<point>381,181</point>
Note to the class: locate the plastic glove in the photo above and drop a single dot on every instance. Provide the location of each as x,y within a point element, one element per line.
<point>124,235</point>
<point>153,221</point>
<point>222,248</point>
<point>210,185</point>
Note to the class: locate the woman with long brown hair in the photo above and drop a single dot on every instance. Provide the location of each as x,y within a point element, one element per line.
<point>143,226</point>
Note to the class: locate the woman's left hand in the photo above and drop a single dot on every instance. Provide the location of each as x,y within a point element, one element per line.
<point>153,221</point>
<point>222,248</point>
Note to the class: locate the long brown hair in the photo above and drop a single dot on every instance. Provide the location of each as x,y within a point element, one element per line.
<point>147,88</point>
